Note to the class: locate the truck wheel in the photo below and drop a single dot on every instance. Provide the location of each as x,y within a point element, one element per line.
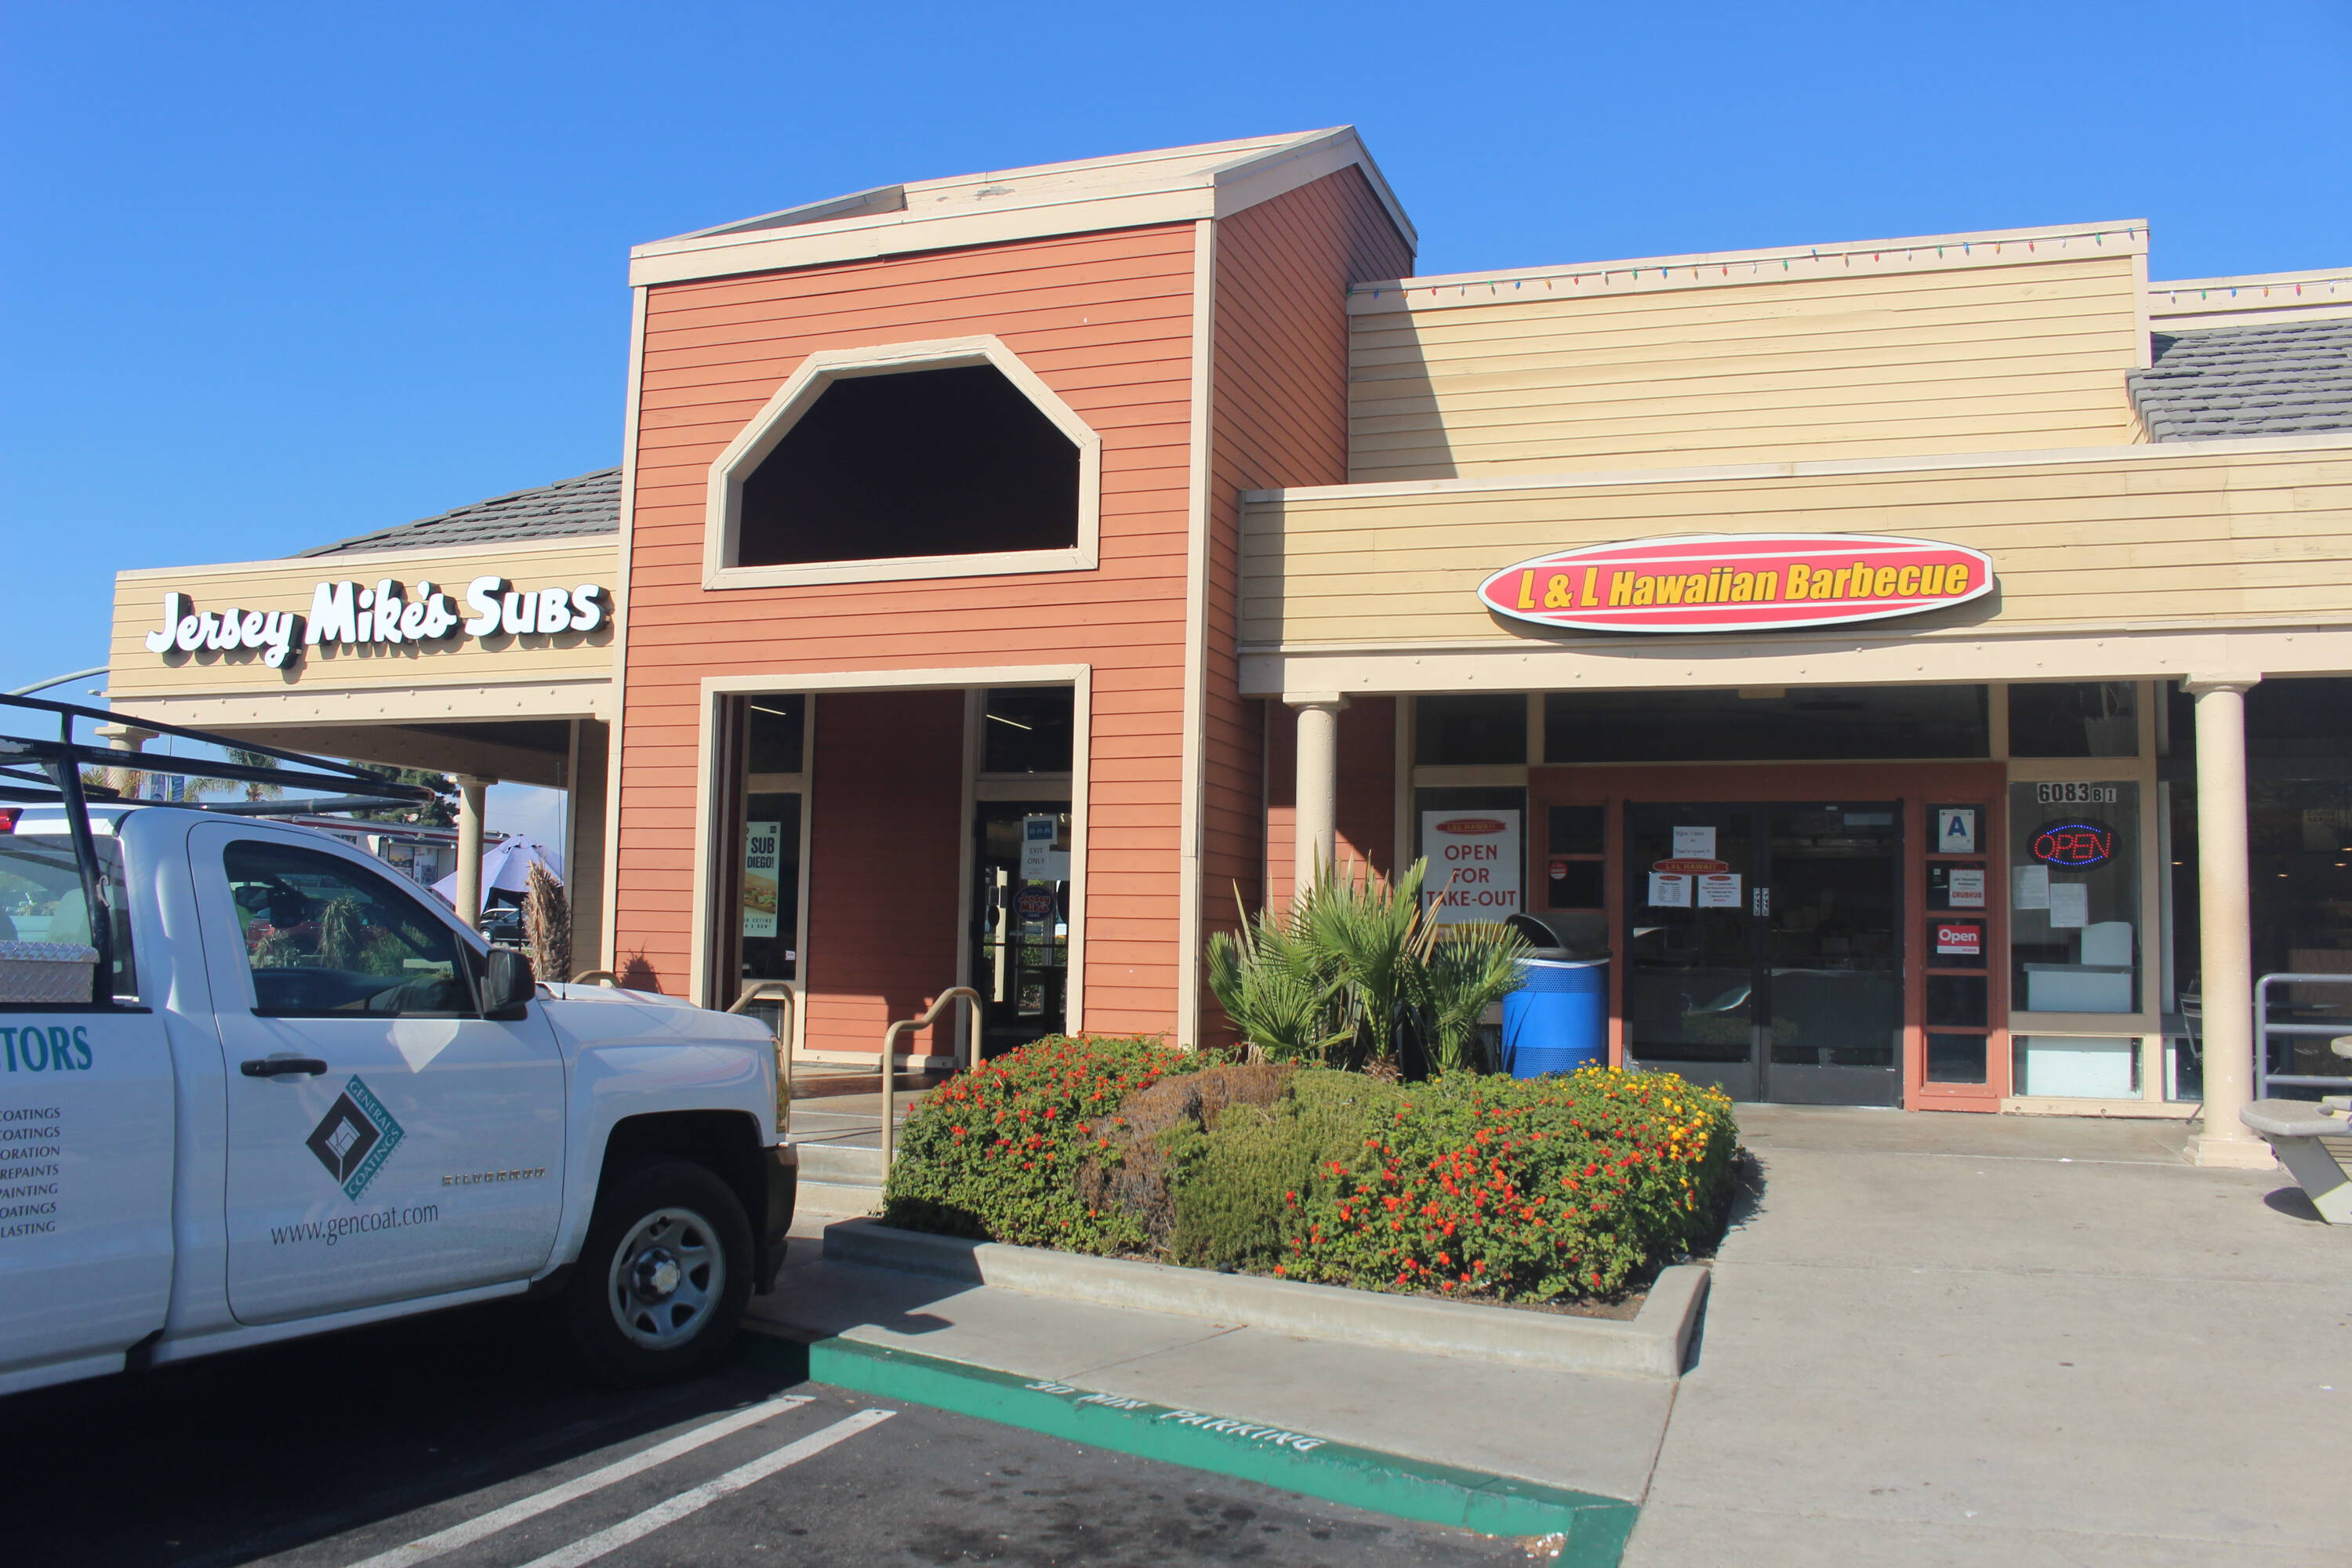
<point>663,1277</point>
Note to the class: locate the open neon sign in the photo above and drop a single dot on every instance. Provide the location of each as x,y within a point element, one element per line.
<point>2075,845</point>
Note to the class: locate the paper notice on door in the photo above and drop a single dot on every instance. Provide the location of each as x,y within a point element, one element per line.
<point>2069,905</point>
<point>1966,887</point>
<point>1669,891</point>
<point>1694,843</point>
<point>2029,888</point>
<point>1718,890</point>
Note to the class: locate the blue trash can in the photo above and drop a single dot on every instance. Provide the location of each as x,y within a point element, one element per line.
<point>1558,1021</point>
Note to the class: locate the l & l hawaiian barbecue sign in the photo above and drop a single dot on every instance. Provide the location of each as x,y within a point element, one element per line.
<point>1738,582</point>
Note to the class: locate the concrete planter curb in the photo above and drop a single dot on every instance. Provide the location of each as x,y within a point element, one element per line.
<point>1652,1345</point>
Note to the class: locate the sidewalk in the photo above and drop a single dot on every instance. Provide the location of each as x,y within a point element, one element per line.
<point>1947,1339</point>
<point>1933,1340</point>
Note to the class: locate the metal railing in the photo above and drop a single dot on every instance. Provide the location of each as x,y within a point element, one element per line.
<point>890,1062</point>
<point>2264,1029</point>
<point>776,991</point>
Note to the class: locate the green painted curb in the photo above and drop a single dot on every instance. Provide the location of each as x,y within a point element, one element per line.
<point>1595,1527</point>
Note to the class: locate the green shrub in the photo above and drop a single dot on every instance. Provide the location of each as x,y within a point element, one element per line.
<point>994,1153</point>
<point>1526,1189</point>
<point>1232,1202</point>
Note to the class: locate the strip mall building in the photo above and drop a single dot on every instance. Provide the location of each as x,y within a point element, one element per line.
<point>1924,665</point>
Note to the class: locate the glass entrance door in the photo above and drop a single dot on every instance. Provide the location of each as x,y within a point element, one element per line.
<point>1762,948</point>
<point>1021,922</point>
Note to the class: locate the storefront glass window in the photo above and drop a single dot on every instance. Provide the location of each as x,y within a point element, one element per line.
<point>770,919</point>
<point>1027,729</point>
<point>2299,842</point>
<point>1476,730</point>
<point>2075,719</point>
<point>1802,724</point>
<point>2074,896</point>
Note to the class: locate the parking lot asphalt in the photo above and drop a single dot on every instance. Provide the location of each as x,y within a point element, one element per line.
<point>462,1440</point>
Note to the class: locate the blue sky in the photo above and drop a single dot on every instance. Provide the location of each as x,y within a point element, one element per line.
<point>276,273</point>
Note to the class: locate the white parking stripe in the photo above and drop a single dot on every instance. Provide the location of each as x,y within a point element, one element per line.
<point>709,1492</point>
<point>425,1548</point>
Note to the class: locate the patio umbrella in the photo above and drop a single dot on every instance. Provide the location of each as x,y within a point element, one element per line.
<point>506,868</point>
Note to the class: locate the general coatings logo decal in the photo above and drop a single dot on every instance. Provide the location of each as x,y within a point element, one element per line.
<point>357,1136</point>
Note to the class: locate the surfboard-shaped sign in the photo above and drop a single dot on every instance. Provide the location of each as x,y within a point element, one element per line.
<point>1738,582</point>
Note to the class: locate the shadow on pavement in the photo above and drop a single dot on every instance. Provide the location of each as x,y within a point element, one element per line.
<point>237,1456</point>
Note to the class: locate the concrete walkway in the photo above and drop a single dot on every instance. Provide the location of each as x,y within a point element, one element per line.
<point>1932,1340</point>
<point>1586,1431</point>
<point>1944,1339</point>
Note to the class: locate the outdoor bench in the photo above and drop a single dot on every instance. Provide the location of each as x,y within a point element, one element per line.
<point>2295,1127</point>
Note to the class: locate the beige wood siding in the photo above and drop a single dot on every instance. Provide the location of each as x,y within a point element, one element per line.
<point>2149,536</point>
<point>455,661</point>
<point>1550,374</point>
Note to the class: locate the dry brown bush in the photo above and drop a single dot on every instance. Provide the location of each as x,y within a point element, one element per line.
<point>1136,1173</point>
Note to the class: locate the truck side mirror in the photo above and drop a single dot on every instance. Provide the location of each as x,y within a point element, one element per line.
<point>507,984</point>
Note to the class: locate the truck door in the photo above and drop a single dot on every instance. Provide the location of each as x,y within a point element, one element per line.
<point>86,1135</point>
<point>385,1140</point>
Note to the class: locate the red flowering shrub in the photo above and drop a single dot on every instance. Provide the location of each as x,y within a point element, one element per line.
<point>994,1151</point>
<point>1526,1189</point>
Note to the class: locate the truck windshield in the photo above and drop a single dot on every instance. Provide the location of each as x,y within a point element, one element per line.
<point>41,897</point>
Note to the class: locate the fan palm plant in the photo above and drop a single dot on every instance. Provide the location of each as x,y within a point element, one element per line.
<point>1358,972</point>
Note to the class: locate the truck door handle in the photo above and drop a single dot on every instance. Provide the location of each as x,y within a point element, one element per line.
<point>271,1067</point>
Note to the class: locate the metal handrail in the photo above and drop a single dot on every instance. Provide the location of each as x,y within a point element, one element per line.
<point>890,1063</point>
<point>776,991</point>
<point>2264,1029</point>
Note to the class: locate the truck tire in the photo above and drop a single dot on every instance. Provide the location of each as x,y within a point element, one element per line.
<point>662,1278</point>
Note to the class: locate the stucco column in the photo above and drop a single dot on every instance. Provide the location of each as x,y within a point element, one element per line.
<point>470,793</point>
<point>2225,946</point>
<point>1316,809</point>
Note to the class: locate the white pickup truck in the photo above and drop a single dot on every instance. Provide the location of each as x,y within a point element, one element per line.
<point>296,1095</point>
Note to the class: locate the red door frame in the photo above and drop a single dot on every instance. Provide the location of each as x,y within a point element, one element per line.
<point>1916,785</point>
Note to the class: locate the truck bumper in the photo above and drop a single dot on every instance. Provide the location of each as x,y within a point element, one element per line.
<point>782,1167</point>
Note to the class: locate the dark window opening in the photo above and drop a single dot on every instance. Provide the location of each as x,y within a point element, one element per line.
<point>2075,719</point>
<point>774,734</point>
<point>1470,730</point>
<point>1820,723</point>
<point>1027,729</point>
<point>926,462</point>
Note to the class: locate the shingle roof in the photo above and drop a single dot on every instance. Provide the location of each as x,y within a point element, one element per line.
<point>590,504</point>
<point>2283,380</point>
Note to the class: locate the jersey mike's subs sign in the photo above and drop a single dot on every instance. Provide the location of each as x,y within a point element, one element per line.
<point>353,613</point>
<point>1736,581</point>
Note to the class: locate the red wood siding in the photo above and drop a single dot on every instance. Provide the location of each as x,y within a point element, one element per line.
<point>885,857</point>
<point>1278,417</point>
<point>1103,319</point>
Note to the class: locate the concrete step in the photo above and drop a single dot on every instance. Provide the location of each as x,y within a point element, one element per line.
<point>841,1164</point>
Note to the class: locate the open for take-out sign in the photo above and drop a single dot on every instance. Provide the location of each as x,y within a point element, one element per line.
<point>1474,864</point>
<point>1738,582</point>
